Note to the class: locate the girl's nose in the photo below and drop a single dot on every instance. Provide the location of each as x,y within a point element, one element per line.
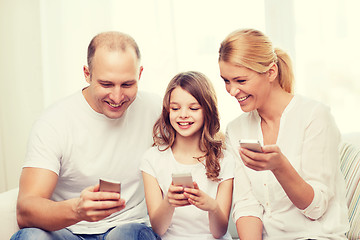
<point>184,113</point>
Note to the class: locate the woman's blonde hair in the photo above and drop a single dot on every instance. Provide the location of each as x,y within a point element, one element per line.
<point>252,49</point>
<point>199,86</point>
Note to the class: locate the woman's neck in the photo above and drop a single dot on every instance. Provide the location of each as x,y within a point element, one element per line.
<point>275,105</point>
<point>271,113</point>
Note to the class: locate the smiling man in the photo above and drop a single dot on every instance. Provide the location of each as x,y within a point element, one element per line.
<point>99,132</point>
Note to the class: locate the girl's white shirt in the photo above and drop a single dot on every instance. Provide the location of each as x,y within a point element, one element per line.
<point>188,222</point>
<point>309,138</point>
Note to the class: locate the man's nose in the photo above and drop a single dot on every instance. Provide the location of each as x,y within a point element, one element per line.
<point>116,95</point>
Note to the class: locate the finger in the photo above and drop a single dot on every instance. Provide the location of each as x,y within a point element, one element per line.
<point>271,148</point>
<point>250,163</point>
<point>102,205</point>
<point>102,196</point>
<point>179,203</point>
<point>250,154</point>
<point>196,186</point>
<point>176,189</point>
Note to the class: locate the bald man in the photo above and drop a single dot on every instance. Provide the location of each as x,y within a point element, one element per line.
<point>98,132</point>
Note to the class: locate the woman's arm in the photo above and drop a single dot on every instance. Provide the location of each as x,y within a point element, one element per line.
<point>249,228</point>
<point>299,192</point>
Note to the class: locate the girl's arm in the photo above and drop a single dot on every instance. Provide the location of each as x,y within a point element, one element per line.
<point>219,218</point>
<point>218,209</point>
<point>161,209</point>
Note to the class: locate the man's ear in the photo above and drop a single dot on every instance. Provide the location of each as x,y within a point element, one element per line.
<point>140,72</point>
<point>87,73</point>
<point>273,72</point>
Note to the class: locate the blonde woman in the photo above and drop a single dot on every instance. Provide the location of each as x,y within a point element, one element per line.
<point>294,188</point>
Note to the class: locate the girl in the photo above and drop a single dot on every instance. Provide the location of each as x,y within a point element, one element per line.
<point>296,180</point>
<point>186,141</point>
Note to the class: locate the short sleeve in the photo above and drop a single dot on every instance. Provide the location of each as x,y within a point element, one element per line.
<point>147,164</point>
<point>227,165</point>
<point>44,147</point>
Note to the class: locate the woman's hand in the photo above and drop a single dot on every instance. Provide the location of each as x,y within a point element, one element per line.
<point>271,158</point>
<point>200,199</point>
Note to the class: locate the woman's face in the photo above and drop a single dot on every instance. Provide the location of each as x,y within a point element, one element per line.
<point>251,89</point>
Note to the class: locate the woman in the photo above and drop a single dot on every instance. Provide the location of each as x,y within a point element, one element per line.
<point>294,188</point>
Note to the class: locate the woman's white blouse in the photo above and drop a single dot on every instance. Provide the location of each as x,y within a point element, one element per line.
<point>309,138</point>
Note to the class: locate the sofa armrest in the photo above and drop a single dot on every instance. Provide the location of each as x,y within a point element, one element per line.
<point>8,222</point>
<point>350,167</point>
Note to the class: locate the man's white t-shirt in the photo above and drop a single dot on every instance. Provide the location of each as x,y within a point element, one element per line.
<point>81,146</point>
<point>188,222</point>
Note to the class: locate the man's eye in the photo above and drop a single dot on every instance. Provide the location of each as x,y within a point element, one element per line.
<point>127,85</point>
<point>106,84</point>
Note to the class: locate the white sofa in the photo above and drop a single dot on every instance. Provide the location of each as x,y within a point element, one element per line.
<point>350,165</point>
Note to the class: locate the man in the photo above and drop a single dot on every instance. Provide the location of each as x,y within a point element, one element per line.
<point>98,132</point>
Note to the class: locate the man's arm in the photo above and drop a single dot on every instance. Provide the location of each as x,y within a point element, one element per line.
<point>35,209</point>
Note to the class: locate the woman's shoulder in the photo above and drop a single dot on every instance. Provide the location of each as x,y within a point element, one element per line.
<point>310,107</point>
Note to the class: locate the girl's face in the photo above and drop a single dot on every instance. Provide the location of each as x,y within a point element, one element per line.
<point>186,114</point>
<point>250,88</point>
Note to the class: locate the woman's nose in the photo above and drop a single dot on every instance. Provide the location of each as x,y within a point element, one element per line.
<point>234,91</point>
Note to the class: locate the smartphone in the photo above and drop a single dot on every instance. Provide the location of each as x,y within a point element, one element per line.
<point>107,185</point>
<point>253,145</point>
<point>182,179</point>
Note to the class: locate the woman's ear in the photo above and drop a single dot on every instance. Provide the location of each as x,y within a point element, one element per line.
<point>273,72</point>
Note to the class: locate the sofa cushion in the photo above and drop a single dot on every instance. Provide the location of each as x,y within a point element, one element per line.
<point>350,166</point>
<point>8,224</point>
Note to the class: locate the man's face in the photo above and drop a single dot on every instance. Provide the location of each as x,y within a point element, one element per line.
<point>113,82</point>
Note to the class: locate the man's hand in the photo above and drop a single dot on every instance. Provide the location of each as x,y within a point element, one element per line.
<point>94,205</point>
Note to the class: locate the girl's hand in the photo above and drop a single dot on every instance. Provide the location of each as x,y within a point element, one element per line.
<point>271,159</point>
<point>176,197</point>
<point>200,199</point>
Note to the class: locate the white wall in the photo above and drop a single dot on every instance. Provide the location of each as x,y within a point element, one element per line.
<point>20,83</point>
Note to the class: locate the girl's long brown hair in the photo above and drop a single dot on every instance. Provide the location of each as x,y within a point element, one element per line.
<point>199,86</point>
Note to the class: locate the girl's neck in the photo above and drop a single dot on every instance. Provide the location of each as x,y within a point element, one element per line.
<point>187,149</point>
